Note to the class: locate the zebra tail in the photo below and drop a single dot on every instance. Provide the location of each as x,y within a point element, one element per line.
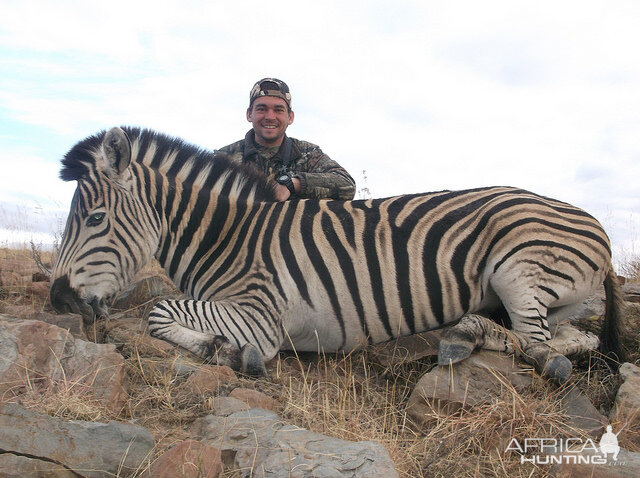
<point>611,331</point>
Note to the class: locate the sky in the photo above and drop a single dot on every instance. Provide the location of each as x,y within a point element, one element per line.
<point>408,96</point>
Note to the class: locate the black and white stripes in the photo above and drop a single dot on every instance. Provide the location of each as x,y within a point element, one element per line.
<point>313,274</point>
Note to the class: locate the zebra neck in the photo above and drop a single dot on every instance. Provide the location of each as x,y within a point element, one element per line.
<point>205,233</point>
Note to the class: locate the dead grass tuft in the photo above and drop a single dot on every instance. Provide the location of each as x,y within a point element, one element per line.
<point>71,401</point>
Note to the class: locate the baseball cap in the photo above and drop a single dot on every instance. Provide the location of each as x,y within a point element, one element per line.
<point>270,87</point>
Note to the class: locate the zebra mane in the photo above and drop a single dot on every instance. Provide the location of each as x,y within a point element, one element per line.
<point>174,158</point>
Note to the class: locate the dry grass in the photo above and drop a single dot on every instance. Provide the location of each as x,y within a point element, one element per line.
<point>353,397</point>
<point>16,272</point>
<point>71,400</point>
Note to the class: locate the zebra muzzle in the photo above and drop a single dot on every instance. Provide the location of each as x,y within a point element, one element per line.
<point>66,300</point>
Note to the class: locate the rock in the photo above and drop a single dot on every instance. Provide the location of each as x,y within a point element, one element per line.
<point>86,448</point>
<point>209,378</point>
<point>627,403</point>
<point>225,406</point>
<point>16,271</point>
<point>475,380</point>
<point>407,349</point>
<point>17,466</point>
<point>582,414</point>
<point>187,459</point>
<point>55,359</point>
<point>70,322</point>
<point>259,444</point>
<point>38,291</point>
<point>130,334</point>
<point>631,293</point>
<point>39,277</point>
<point>184,367</point>
<point>592,306</point>
<point>627,465</point>
<point>629,371</point>
<point>255,399</point>
<point>145,289</point>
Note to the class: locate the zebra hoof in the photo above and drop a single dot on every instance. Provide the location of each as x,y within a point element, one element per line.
<point>252,363</point>
<point>558,368</point>
<point>456,344</point>
<point>450,353</point>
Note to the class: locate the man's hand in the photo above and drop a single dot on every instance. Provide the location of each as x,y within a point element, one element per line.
<point>283,193</point>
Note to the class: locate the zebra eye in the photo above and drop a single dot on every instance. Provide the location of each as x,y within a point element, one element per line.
<point>95,219</point>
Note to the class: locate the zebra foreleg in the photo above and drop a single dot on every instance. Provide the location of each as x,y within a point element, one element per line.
<point>166,321</point>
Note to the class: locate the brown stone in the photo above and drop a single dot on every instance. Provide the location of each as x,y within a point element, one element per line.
<point>188,459</point>
<point>130,332</point>
<point>39,291</point>
<point>209,378</point>
<point>225,406</point>
<point>144,289</point>
<point>39,277</point>
<point>70,322</point>
<point>255,399</point>
<point>37,354</point>
<point>19,311</point>
<point>477,379</point>
<point>407,349</point>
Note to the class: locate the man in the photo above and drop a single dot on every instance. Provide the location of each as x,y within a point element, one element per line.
<point>300,169</point>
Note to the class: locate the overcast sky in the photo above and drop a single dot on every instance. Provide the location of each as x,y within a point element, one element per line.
<point>422,95</point>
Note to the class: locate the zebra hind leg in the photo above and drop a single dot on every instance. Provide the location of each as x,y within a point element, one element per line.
<point>531,324</point>
<point>166,321</point>
<point>475,331</point>
<point>549,357</point>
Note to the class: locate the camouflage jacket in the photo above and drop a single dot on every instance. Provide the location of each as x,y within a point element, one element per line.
<point>319,175</point>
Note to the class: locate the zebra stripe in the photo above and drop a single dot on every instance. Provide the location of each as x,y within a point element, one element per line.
<point>312,274</point>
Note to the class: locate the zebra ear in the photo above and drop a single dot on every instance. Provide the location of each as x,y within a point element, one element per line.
<point>117,151</point>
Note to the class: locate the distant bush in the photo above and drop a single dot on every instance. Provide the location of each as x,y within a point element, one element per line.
<point>630,268</point>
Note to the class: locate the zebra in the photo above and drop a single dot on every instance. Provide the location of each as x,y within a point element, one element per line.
<point>323,275</point>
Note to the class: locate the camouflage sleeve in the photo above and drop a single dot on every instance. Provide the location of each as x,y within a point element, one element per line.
<point>322,177</point>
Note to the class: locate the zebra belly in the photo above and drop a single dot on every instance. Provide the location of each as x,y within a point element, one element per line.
<point>309,328</point>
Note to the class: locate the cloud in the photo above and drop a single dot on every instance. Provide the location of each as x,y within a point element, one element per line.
<point>420,95</point>
<point>36,180</point>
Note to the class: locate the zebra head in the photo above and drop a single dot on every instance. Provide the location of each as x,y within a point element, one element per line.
<point>111,231</point>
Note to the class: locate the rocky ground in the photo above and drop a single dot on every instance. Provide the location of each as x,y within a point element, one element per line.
<point>112,401</point>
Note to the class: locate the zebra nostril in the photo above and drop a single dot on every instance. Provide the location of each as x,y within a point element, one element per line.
<point>99,308</point>
<point>64,299</point>
<point>61,295</point>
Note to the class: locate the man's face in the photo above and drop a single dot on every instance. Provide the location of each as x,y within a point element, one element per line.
<point>270,118</point>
